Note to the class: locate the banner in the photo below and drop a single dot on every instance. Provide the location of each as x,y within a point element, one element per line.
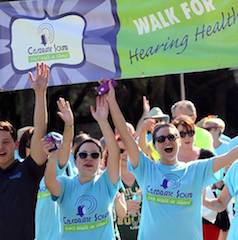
<point>87,40</point>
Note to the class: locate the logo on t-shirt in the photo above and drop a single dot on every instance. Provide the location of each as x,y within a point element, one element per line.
<point>169,191</point>
<point>87,216</point>
<point>86,204</point>
<point>15,176</point>
<point>170,181</point>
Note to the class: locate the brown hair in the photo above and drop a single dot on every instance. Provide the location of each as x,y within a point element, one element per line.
<point>7,126</point>
<point>25,142</point>
<point>184,121</point>
<point>89,140</point>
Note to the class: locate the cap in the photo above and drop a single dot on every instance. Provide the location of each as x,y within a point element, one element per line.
<point>156,113</point>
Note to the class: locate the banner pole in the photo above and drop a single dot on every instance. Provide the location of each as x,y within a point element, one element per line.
<point>182,87</point>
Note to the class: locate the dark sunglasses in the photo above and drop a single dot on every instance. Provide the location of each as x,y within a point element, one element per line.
<point>84,155</point>
<point>170,137</point>
<point>211,128</point>
<point>122,150</point>
<point>189,133</point>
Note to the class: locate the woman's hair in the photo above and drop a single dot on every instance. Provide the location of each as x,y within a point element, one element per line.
<point>184,121</point>
<point>158,126</point>
<point>89,140</point>
<point>7,126</point>
<point>25,142</point>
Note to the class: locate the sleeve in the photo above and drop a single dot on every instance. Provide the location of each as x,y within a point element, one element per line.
<point>233,143</point>
<point>142,168</point>
<point>60,170</point>
<point>36,171</point>
<point>231,178</point>
<point>204,171</point>
<point>112,188</point>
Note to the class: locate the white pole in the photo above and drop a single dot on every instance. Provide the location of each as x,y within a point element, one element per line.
<point>182,87</point>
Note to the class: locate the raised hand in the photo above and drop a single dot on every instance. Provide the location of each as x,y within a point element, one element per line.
<point>40,81</point>
<point>65,112</point>
<point>149,124</point>
<point>111,94</point>
<point>146,105</point>
<point>100,112</point>
<point>47,146</point>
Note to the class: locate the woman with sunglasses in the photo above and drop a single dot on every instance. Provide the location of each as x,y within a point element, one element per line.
<point>86,200</point>
<point>171,190</point>
<point>189,152</point>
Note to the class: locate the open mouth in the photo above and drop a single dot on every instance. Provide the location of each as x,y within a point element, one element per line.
<point>3,154</point>
<point>168,149</point>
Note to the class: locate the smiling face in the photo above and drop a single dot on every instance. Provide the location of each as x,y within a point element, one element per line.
<point>186,136</point>
<point>167,143</point>
<point>87,159</point>
<point>7,148</point>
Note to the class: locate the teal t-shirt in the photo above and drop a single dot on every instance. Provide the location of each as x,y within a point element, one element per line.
<point>171,205</point>
<point>86,209</point>
<point>231,181</point>
<point>47,216</point>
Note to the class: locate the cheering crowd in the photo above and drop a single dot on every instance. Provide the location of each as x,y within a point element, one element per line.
<point>163,180</point>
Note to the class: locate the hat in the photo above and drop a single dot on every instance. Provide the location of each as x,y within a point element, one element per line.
<point>214,120</point>
<point>156,113</point>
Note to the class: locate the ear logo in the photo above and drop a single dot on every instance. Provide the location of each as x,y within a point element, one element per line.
<point>170,181</point>
<point>85,205</point>
<point>47,33</point>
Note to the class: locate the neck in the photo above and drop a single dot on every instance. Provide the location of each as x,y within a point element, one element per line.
<point>6,165</point>
<point>169,161</point>
<point>216,143</point>
<point>84,179</point>
<point>188,153</point>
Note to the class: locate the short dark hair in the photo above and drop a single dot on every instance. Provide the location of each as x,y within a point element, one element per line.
<point>89,140</point>
<point>25,142</point>
<point>158,126</point>
<point>7,126</point>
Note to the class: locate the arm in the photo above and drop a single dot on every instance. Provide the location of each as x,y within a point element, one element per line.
<point>51,181</point>
<point>225,160</point>
<point>219,204</point>
<point>100,114</point>
<point>147,125</point>
<point>120,124</point>
<point>39,84</point>
<point>120,205</point>
<point>66,115</point>
<point>146,109</point>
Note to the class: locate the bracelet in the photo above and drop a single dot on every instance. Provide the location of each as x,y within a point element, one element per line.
<point>68,126</point>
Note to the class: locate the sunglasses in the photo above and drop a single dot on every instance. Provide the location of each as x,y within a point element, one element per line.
<point>84,155</point>
<point>211,128</point>
<point>170,137</point>
<point>189,133</point>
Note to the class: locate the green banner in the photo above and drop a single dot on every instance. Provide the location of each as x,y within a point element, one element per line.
<point>85,41</point>
<point>165,37</point>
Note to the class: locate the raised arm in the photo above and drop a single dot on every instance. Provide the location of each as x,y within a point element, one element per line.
<point>39,84</point>
<point>51,181</point>
<point>66,115</point>
<point>100,114</point>
<point>120,124</point>
<point>146,109</point>
<point>219,204</point>
<point>147,125</point>
<point>225,160</point>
